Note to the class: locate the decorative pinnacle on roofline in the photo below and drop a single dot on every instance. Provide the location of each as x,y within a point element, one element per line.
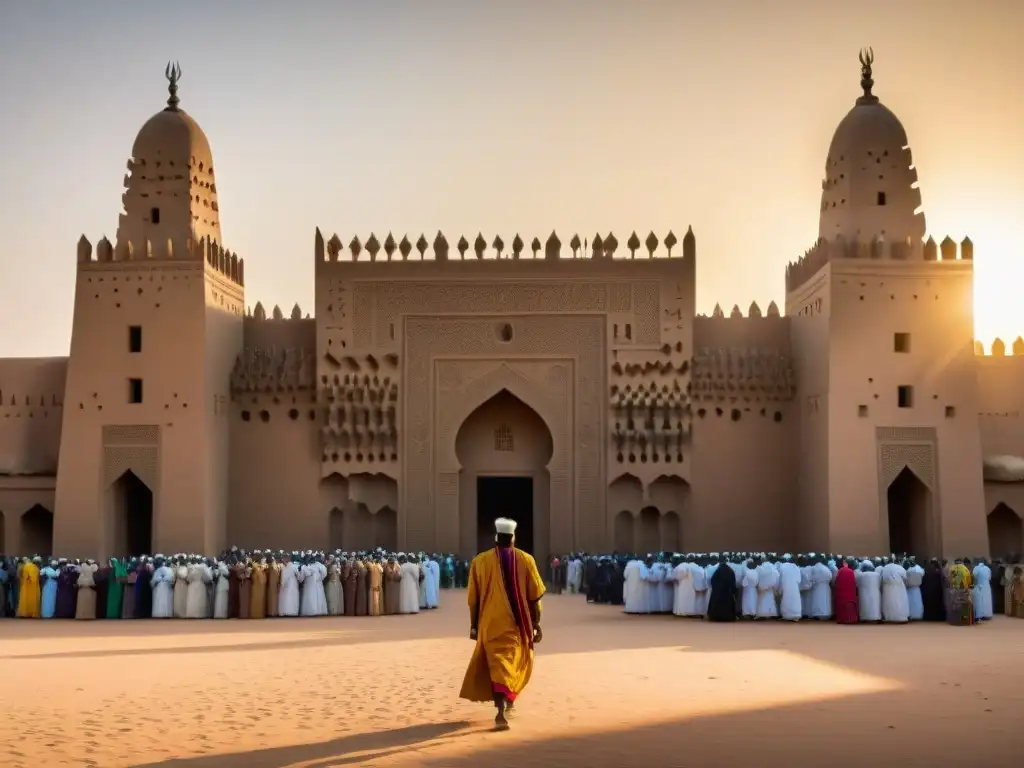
<point>867,58</point>
<point>173,75</point>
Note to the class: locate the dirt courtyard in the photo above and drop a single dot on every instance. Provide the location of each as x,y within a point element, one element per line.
<point>608,690</point>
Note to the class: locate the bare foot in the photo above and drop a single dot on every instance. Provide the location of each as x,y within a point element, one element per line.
<point>500,723</point>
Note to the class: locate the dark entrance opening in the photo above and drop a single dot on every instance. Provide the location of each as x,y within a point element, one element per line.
<point>510,497</point>
<point>908,505</point>
<point>133,517</point>
<point>1005,532</point>
<point>37,531</point>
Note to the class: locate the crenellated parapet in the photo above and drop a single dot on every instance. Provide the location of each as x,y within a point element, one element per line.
<point>824,251</point>
<point>998,348</point>
<point>259,314</point>
<point>272,370</point>
<point>751,374</point>
<point>753,312</point>
<point>216,256</point>
<point>439,248</point>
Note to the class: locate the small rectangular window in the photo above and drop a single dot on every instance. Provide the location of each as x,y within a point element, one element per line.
<point>629,331</point>
<point>134,338</point>
<point>950,411</point>
<point>901,342</point>
<point>391,331</point>
<point>905,396</point>
<point>615,331</point>
<point>862,411</point>
<point>881,198</point>
<point>154,215</point>
<point>135,390</point>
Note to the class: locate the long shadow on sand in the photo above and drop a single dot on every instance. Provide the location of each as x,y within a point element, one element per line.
<point>955,729</point>
<point>346,750</point>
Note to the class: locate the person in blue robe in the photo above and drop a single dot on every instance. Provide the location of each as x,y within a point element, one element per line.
<point>49,577</point>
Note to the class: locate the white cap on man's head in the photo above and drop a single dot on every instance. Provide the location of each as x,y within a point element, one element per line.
<point>504,525</point>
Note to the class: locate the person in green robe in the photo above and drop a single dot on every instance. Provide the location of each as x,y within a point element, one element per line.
<point>115,593</point>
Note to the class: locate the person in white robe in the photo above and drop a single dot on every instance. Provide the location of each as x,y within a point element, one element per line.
<point>790,605</point>
<point>409,586</point>
<point>652,583</point>
<point>981,592</point>
<point>767,589</point>
<point>313,601</point>
<point>700,586</point>
<point>915,575</point>
<point>685,602</point>
<point>423,581</point>
<point>570,575</point>
<point>223,585</point>
<point>820,576</point>
<point>634,588</point>
<point>180,568</point>
<point>288,591</point>
<point>578,578</point>
<point>333,589</point>
<point>196,601</point>
<point>666,589</point>
<point>895,605</point>
<point>748,584</point>
<point>163,589</point>
<point>433,581</point>
<point>805,587</point>
<point>869,593</point>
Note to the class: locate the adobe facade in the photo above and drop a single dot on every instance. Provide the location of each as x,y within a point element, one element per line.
<point>570,384</point>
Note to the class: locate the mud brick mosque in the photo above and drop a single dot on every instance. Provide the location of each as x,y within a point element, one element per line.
<point>569,384</point>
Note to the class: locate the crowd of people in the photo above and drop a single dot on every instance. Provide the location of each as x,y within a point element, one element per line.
<point>239,584</point>
<point>760,586</point>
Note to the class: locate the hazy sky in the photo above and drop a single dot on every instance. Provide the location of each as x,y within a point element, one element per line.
<point>503,117</point>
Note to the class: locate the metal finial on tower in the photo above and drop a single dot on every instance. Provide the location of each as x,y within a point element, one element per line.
<point>867,58</point>
<point>173,75</point>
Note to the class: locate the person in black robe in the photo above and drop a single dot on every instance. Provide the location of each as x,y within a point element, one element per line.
<point>933,592</point>
<point>102,580</point>
<point>618,581</point>
<point>998,590</point>
<point>67,596</point>
<point>144,590</point>
<point>723,601</point>
<point>590,579</point>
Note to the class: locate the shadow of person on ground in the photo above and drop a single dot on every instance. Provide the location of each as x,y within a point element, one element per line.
<point>345,750</point>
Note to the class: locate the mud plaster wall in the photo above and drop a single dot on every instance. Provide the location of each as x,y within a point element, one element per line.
<point>31,402</point>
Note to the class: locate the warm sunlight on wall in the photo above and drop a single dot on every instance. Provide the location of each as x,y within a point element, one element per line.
<point>998,280</point>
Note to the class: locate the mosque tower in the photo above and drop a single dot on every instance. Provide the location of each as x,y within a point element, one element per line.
<point>870,190</point>
<point>157,328</point>
<point>882,332</point>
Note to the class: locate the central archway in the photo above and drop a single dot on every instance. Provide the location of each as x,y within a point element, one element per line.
<point>909,507</point>
<point>133,516</point>
<point>503,448</point>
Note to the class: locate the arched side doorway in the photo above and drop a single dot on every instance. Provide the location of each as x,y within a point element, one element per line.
<point>1005,531</point>
<point>649,534</point>
<point>503,448</point>
<point>624,540</point>
<point>385,528</point>
<point>133,516</point>
<point>336,529</point>
<point>37,531</point>
<point>908,504</point>
<point>671,532</point>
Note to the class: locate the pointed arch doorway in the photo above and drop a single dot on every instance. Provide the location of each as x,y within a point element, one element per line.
<point>909,508</point>
<point>503,448</point>
<point>132,508</point>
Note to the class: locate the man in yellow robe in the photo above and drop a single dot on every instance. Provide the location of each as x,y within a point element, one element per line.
<point>29,591</point>
<point>505,590</point>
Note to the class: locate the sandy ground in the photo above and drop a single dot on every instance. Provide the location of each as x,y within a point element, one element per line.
<point>608,690</point>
